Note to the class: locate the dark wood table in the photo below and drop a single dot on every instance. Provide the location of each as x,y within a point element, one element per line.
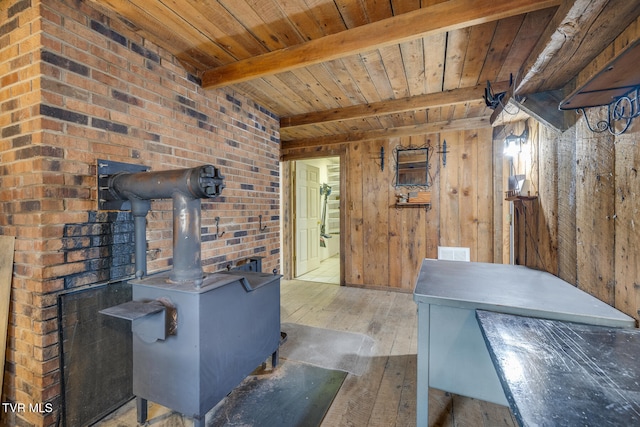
<point>558,373</point>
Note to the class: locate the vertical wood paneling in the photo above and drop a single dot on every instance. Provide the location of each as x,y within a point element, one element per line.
<point>432,236</point>
<point>627,224</point>
<point>468,199</point>
<point>484,195</point>
<point>375,215</point>
<point>567,245</point>
<point>500,206</point>
<point>354,258</point>
<point>287,218</point>
<point>595,208</point>
<point>396,226</point>
<point>449,206</point>
<point>548,198</point>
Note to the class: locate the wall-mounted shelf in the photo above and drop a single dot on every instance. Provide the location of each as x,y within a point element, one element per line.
<point>616,85</point>
<point>513,198</point>
<point>620,76</point>
<point>427,206</point>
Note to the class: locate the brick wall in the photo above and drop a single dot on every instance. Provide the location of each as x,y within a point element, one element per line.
<point>75,87</point>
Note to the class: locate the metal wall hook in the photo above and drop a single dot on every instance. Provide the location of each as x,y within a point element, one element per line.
<point>218,234</point>
<point>260,226</point>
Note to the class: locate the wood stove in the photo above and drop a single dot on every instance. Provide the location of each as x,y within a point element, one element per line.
<point>196,336</point>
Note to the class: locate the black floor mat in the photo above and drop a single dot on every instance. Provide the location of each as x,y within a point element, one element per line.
<point>294,394</point>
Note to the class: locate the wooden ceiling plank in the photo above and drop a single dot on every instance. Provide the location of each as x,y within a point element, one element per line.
<point>334,93</point>
<point>357,70</point>
<point>524,42</point>
<point>413,62</point>
<point>447,16</point>
<point>315,83</point>
<point>479,42</point>
<point>261,19</point>
<point>579,31</point>
<point>302,19</point>
<point>434,55</point>
<point>393,64</point>
<point>503,39</point>
<point>377,10</point>
<point>421,102</point>
<point>470,123</point>
<point>151,26</point>
<point>373,62</point>
<point>327,15</point>
<point>352,12</point>
<point>172,21</point>
<point>216,22</point>
<point>277,89</point>
<point>457,44</point>
<point>342,77</point>
<point>404,6</point>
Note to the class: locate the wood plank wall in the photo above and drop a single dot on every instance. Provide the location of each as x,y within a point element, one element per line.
<point>383,245</point>
<point>585,223</point>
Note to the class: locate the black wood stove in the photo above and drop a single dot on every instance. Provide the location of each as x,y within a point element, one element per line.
<point>196,336</point>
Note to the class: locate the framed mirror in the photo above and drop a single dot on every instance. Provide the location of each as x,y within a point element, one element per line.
<point>412,167</point>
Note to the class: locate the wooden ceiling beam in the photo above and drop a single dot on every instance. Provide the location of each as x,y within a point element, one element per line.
<point>578,32</point>
<point>461,124</point>
<point>394,106</point>
<point>446,16</point>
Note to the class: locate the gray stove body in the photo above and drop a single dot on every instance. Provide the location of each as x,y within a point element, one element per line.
<point>224,329</point>
<point>196,336</point>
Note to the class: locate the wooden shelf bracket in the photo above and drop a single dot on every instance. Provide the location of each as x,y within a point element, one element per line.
<point>617,86</point>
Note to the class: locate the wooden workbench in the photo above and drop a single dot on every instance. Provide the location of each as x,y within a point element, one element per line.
<point>452,354</point>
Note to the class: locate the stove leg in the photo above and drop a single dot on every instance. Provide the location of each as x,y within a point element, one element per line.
<point>274,358</point>
<point>141,407</point>
<point>199,422</point>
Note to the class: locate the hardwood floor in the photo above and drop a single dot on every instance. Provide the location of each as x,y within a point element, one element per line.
<point>384,395</point>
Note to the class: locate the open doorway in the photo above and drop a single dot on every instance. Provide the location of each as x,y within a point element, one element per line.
<point>316,194</point>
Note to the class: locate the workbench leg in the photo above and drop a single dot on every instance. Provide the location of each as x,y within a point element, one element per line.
<point>422,381</point>
<point>141,408</point>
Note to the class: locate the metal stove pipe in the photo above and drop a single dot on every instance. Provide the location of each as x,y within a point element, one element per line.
<point>185,187</point>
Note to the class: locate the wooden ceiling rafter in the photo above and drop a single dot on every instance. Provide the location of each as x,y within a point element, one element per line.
<point>395,132</point>
<point>601,20</point>
<point>442,17</point>
<point>393,106</point>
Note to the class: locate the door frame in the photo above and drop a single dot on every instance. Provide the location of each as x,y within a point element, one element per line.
<point>287,219</point>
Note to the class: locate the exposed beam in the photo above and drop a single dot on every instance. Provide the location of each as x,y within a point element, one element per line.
<point>420,102</point>
<point>579,31</point>
<point>470,123</point>
<point>446,16</point>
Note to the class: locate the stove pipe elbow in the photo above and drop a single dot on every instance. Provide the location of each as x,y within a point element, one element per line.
<point>185,187</point>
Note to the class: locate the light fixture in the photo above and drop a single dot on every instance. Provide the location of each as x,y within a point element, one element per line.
<point>513,143</point>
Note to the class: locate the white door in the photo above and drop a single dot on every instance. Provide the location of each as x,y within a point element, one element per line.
<point>307,216</point>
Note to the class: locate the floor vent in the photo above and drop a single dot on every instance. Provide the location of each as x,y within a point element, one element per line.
<point>454,253</point>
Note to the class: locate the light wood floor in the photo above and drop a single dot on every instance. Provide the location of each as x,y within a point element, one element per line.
<point>384,395</point>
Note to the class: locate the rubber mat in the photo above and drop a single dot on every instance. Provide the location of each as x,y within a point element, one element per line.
<point>293,395</point>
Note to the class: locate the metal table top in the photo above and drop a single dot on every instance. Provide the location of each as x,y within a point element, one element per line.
<point>511,289</point>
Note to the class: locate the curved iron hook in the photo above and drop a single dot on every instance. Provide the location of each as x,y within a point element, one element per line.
<point>218,234</point>
<point>260,226</point>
